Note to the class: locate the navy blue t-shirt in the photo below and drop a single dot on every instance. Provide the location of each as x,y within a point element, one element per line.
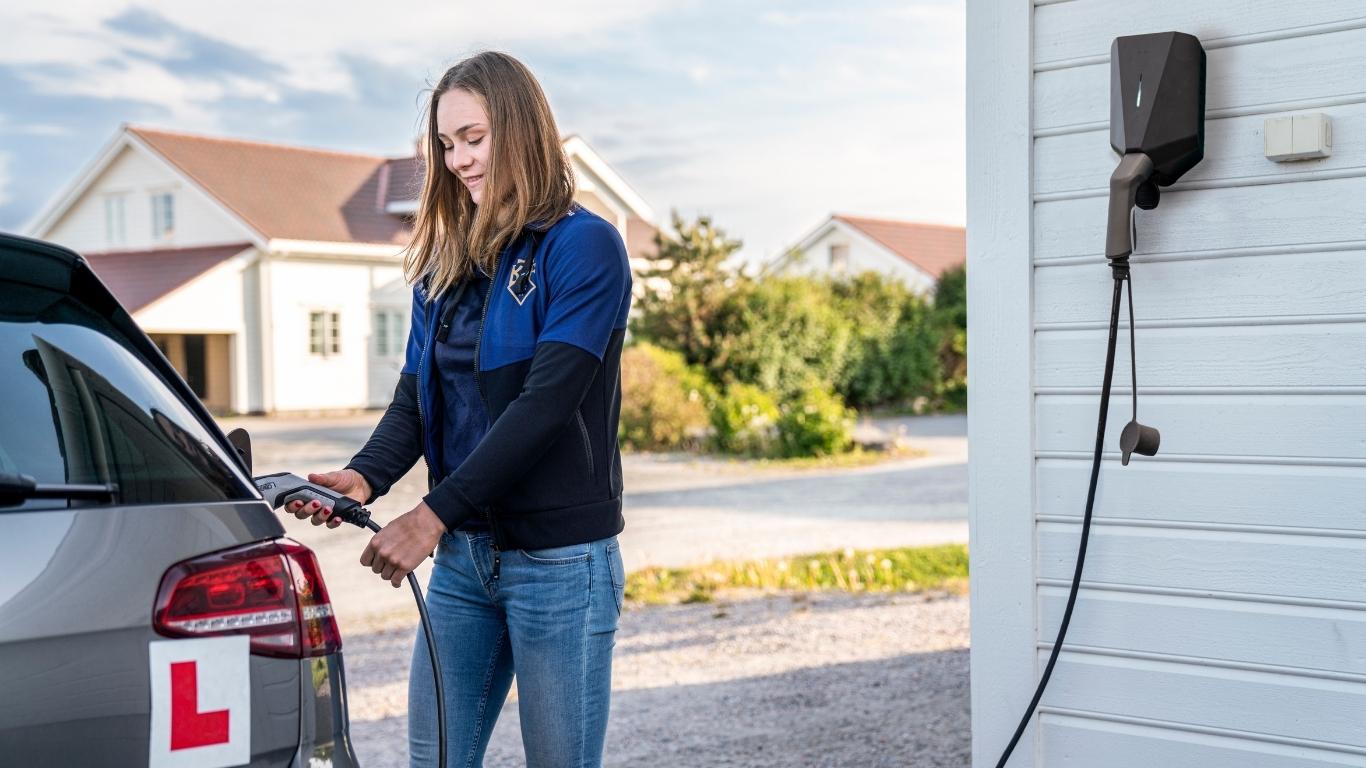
<point>464,417</point>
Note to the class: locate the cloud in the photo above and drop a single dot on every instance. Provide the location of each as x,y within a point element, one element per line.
<point>768,115</point>
<point>5,179</point>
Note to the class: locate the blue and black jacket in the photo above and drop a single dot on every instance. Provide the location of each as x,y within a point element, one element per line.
<point>547,363</point>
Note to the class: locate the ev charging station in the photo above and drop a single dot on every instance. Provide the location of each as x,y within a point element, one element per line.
<point>1157,141</point>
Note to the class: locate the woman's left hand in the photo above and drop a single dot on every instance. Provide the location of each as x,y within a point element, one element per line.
<point>403,544</point>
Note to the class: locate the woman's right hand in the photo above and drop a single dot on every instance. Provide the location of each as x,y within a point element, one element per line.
<point>347,482</point>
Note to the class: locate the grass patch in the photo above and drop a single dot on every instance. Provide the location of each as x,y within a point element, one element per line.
<point>858,457</point>
<point>910,569</point>
<point>855,458</point>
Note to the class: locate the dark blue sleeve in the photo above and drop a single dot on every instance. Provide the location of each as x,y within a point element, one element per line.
<point>588,276</point>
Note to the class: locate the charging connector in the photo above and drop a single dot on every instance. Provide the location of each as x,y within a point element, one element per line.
<point>281,488</point>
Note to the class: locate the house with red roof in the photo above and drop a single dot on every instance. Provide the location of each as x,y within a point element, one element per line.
<point>270,274</point>
<point>912,252</point>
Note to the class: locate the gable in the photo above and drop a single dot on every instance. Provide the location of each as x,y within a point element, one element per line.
<point>133,176</point>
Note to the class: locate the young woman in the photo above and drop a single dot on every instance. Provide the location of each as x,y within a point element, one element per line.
<point>511,393</point>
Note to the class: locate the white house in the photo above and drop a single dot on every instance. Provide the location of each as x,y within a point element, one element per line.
<point>270,275</point>
<point>1222,619</point>
<point>916,254</point>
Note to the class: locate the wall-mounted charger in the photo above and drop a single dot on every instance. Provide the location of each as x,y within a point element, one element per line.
<point>1298,137</point>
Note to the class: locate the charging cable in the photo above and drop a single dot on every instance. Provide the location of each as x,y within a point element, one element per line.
<point>281,488</point>
<point>1137,438</point>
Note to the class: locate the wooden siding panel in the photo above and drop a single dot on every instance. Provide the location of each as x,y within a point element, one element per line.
<point>1235,154</point>
<point>1305,497</point>
<point>1246,356</point>
<point>1264,216</point>
<point>1085,28</point>
<point>1273,565</point>
<point>1074,742</point>
<point>1255,288</point>
<point>1316,427</point>
<point>1331,640</point>
<point>1256,703</point>
<point>1252,77</point>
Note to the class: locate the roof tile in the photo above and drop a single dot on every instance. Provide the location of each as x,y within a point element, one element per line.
<point>293,193</point>
<point>138,278</point>
<point>934,248</point>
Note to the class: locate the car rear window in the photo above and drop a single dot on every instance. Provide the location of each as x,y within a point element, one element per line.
<point>79,406</point>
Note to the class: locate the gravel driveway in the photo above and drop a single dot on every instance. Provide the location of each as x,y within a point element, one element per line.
<point>828,679</point>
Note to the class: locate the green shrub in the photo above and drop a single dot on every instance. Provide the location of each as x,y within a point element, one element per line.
<point>744,421</point>
<point>951,317</point>
<point>663,400</point>
<point>785,333</point>
<point>894,353</point>
<point>815,423</point>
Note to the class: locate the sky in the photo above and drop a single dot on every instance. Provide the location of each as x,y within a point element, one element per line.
<point>766,116</point>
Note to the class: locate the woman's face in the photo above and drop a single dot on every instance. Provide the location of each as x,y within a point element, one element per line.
<point>462,126</point>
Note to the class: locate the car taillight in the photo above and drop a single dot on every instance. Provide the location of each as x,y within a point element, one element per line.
<point>271,591</point>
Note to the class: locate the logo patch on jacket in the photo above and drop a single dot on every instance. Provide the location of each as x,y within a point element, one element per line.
<point>520,283</point>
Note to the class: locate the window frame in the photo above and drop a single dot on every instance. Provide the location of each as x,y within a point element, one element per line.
<point>389,327</point>
<point>839,258</point>
<point>116,224</point>
<point>324,333</point>
<point>162,204</point>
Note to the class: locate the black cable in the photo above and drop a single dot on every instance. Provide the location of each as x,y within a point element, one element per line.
<point>431,653</point>
<point>1090,505</point>
<point>1133,354</point>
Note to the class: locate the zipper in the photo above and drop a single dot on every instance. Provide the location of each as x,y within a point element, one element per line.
<point>422,429</point>
<point>587,446</point>
<point>479,338</point>
<point>479,387</point>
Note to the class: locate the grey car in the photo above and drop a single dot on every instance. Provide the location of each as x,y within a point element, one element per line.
<point>151,611</point>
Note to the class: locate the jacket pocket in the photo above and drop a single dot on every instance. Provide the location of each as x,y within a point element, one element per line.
<point>587,444</point>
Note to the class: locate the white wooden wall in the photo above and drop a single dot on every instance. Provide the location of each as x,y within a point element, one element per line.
<point>1221,621</point>
<point>198,221</point>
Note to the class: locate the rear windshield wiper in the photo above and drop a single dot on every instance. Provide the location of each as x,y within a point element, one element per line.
<point>16,489</point>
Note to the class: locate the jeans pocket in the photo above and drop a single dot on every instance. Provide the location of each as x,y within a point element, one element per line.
<point>617,568</point>
<point>574,553</point>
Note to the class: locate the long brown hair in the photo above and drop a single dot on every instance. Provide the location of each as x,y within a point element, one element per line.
<point>528,179</point>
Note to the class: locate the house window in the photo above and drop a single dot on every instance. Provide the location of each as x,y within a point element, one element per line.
<point>839,258</point>
<point>115,231</point>
<point>163,215</point>
<point>391,331</point>
<point>324,333</point>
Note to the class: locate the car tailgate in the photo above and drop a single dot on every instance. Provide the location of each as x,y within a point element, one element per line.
<point>77,589</point>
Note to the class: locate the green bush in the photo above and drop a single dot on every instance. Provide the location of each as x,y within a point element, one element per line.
<point>867,338</point>
<point>951,318</point>
<point>894,351</point>
<point>744,421</point>
<point>785,334</point>
<point>815,423</point>
<point>663,400</point>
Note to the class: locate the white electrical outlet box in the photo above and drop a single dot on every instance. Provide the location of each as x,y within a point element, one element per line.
<point>1298,137</point>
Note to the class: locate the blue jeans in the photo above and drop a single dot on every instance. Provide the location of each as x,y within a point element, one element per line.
<point>550,615</point>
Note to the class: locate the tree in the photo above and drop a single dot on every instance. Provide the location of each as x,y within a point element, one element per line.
<point>951,313</point>
<point>684,314</point>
